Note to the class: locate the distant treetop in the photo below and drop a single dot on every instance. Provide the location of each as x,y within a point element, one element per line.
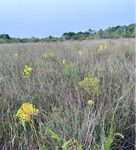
<point>109,33</point>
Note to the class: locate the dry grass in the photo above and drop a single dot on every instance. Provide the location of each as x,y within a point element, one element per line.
<point>53,88</point>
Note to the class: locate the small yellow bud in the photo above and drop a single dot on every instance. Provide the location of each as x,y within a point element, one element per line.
<point>90,102</point>
<point>79,52</point>
<point>64,61</point>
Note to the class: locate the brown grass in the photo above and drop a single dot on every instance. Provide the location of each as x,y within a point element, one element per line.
<point>53,84</point>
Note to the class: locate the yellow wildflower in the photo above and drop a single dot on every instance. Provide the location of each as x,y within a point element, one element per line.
<point>16,54</point>
<point>25,112</point>
<point>64,61</point>
<point>90,84</point>
<point>29,69</point>
<point>90,102</point>
<point>105,46</point>
<point>101,48</point>
<point>48,56</point>
<point>27,73</point>
<point>25,70</point>
<point>79,52</point>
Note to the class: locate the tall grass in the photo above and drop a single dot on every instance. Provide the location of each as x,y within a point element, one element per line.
<point>66,120</point>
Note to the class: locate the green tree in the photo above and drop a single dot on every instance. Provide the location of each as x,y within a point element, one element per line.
<point>127,35</point>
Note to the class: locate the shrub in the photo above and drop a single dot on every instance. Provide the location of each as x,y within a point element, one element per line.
<point>48,56</point>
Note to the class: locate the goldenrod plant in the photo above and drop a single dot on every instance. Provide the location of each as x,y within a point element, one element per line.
<point>90,84</point>
<point>101,47</point>
<point>79,53</point>
<point>90,102</point>
<point>48,56</point>
<point>25,114</point>
<point>27,71</point>
<point>64,61</point>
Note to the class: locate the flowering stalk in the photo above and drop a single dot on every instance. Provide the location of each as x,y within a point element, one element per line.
<point>24,114</point>
<point>34,130</point>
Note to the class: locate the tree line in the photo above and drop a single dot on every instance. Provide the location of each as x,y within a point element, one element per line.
<point>109,33</point>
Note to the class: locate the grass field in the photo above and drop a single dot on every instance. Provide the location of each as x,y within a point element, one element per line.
<point>84,100</point>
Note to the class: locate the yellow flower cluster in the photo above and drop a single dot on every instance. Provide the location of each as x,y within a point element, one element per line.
<point>16,54</point>
<point>90,102</point>
<point>101,47</point>
<point>26,71</point>
<point>64,61</point>
<point>90,85</point>
<point>79,52</point>
<point>25,112</point>
<point>48,56</point>
<point>105,46</point>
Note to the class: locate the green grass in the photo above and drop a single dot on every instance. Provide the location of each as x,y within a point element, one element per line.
<point>65,118</point>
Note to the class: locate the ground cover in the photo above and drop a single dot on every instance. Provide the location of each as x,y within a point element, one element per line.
<point>76,95</point>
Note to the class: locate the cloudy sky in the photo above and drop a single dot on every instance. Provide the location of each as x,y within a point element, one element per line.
<point>42,18</point>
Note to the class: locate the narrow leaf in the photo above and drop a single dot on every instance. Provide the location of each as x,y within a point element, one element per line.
<point>89,74</point>
<point>23,124</point>
<point>66,143</point>
<point>119,135</point>
<point>76,125</point>
<point>55,135</point>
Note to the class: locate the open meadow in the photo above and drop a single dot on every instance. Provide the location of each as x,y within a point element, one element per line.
<point>68,95</point>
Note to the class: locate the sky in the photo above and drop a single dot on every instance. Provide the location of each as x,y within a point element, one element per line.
<point>42,18</point>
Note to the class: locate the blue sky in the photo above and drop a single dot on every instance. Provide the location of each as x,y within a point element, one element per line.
<point>42,18</point>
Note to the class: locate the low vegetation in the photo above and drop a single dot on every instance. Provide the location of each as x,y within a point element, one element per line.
<point>81,97</point>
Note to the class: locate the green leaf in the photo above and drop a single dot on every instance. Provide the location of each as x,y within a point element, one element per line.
<point>57,98</point>
<point>45,132</point>
<point>23,124</point>
<point>66,143</point>
<point>54,135</point>
<point>89,74</point>
<point>76,125</point>
<point>119,135</point>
